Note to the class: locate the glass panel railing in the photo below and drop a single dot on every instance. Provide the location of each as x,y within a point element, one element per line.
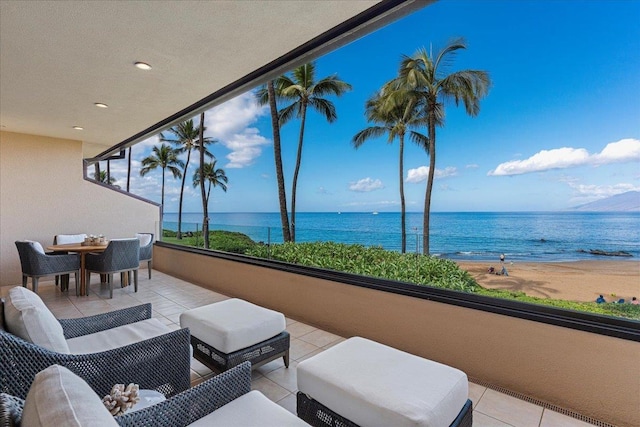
<point>470,262</point>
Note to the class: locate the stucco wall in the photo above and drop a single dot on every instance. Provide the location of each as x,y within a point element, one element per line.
<point>591,374</point>
<point>43,193</point>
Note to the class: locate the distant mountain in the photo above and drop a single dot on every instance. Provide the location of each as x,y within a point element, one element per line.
<point>625,202</point>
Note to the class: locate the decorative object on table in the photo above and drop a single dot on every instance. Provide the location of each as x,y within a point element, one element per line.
<point>121,399</point>
<point>92,240</point>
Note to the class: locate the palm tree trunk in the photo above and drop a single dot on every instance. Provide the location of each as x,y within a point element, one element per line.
<point>403,225</point>
<point>432,169</point>
<point>162,198</point>
<point>96,171</point>
<point>129,169</point>
<point>296,171</point>
<point>184,178</point>
<point>277,154</point>
<point>205,210</point>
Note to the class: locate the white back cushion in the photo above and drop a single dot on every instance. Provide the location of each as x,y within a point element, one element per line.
<point>36,245</point>
<point>62,239</point>
<point>145,239</point>
<point>27,317</point>
<point>58,397</point>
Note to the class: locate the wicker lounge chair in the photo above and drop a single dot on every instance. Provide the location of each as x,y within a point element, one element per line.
<point>159,363</point>
<point>225,399</point>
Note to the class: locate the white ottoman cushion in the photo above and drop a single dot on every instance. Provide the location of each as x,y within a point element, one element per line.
<point>372,384</point>
<point>233,324</point>
<point>117,337</point>
<point>251,409</point>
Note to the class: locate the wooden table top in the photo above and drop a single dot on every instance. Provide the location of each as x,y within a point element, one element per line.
<point>77,247</point>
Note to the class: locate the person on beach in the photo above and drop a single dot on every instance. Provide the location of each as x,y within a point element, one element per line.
<point>635,301</point>
<point>600,299</point>
<point>501,258</point>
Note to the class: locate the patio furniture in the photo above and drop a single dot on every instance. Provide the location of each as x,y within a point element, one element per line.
<point>360,382</point>
<point>146,249</point>
<point>227,333</point>
<point>60,239</point>
<point>120,256</point>
<point>104,349</point>
<point>224,400</point>
<point>35,263</point>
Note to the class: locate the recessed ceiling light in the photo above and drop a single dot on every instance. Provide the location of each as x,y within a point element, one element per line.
<point>142,65</point>
<point>78,128</point>
<point>100,105</point>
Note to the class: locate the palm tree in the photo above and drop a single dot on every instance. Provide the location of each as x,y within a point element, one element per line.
<point>213,178</point>
<point>267,95</point>
<point>104,177</point>
<point>304,91</point>
<point>163,157</point>
<point>186,137</point>
<point>423,74</point>
<point>395,114</point>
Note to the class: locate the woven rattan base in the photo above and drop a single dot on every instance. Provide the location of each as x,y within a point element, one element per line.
<point>318,415</point>
<point>258,354</point>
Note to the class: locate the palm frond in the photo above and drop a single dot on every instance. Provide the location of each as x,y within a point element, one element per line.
<point>366,134</point>
<point>324,107</point>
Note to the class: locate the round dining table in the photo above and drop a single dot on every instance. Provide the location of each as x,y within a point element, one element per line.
<point>82,250</point>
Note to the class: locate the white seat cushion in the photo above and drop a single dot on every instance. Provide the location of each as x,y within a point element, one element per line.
<point>372,384</point>
<point>63,239</point>
<point>251,409</point>
<point>58,397</point>
<point>233,324</point>
<point>26,316</point>
<point>117,337</point>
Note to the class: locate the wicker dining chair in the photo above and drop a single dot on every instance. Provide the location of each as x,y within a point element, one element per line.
<point>120,256</point>
<point>36,263</point>
<point>61,239</point>
<point>146,249</point>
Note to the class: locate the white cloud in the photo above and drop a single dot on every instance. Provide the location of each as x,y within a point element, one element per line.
<point>588,193</point>
<point>229,123</point>
<point>625,150</point>
<point>472,166</point>
<point>365,185</point>
<point>421,173</point>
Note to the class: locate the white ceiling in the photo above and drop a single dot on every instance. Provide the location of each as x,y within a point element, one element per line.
<point>59,58</point>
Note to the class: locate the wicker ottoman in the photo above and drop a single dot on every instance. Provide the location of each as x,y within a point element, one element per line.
<point>363,383</point>
<point>229,332</point>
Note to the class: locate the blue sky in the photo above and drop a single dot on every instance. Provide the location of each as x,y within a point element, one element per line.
<point>559,128</point>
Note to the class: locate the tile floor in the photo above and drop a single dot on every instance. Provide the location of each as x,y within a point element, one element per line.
<point>171,296</point>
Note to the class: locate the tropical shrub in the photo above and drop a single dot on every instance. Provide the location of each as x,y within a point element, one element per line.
<point>372,262</point>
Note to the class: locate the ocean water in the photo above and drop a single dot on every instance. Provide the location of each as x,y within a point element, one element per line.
<point>475,236</point>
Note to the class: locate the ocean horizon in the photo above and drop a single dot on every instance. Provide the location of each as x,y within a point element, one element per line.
<point>470,236</point>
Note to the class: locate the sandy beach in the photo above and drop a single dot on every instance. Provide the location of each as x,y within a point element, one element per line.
<point>576,281</point>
